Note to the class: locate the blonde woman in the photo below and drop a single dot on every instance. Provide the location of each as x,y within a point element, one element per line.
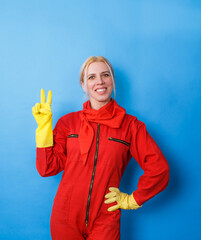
<point>93,147</point>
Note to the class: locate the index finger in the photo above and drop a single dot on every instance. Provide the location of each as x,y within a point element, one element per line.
<point>49,98</point>
<point>42,96</point>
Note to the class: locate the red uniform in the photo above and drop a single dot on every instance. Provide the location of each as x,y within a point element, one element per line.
<point>79,211</point>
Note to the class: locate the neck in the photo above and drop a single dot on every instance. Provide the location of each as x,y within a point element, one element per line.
<point>98,105</point>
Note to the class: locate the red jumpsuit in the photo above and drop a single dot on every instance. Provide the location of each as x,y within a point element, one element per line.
<point>79,211</point>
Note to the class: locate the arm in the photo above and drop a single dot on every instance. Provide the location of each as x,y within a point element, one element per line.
<point>150,158</point>
<point>156,171</point>
<point>51,145</point>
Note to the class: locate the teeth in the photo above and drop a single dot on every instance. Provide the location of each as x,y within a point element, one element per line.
<point>100,90</point>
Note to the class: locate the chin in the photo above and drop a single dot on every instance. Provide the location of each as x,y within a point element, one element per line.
<point>103,99</point>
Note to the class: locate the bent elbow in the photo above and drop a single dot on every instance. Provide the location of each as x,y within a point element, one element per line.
<point>41,170</point>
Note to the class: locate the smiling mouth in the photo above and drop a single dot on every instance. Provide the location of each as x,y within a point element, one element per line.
<point>100,90</point>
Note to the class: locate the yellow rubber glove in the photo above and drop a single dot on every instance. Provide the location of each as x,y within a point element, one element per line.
<point>123,200</point>
<point>43,115</point>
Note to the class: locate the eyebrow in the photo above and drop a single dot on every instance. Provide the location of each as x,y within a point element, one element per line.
<point>101,72</point>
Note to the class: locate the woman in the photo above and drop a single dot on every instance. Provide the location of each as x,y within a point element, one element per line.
<point>93,147</point>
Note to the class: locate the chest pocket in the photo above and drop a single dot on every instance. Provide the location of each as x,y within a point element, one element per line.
<point>114,152</point>
<point>73,148</point>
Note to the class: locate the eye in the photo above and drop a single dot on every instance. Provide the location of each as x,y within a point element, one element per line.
<point>106,75</point>
<point>91,77</point>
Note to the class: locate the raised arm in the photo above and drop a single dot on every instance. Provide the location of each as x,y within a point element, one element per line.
<point>51,145</point>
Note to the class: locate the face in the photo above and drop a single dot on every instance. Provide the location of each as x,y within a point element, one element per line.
<point>99,84</point>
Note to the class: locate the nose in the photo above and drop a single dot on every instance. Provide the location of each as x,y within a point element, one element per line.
<point>100,79</point>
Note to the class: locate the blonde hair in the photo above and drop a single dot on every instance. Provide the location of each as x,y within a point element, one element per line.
<point>84,68</point>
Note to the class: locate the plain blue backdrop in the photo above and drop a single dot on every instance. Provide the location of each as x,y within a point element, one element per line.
<point>154,47</point>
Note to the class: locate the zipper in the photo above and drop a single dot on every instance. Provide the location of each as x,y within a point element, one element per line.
<point>119,140</point>
<point>73,136</point>
<point>93,175</point>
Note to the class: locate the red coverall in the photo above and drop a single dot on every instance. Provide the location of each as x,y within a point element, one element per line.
<point>79,211</point>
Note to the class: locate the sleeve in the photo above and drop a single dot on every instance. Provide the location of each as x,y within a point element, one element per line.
<point>150,158</point>
<point>51,160</point>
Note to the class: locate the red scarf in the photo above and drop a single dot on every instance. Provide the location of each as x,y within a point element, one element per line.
<point>110,115</point>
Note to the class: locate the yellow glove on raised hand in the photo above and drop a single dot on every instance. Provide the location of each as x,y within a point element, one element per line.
<point>43,115</point>
<point>123,200</point>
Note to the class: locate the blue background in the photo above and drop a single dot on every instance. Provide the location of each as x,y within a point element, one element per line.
<point>154,47</point>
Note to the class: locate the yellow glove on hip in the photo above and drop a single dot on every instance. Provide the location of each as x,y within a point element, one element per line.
<point>123,200</point>
<point>43,116</point>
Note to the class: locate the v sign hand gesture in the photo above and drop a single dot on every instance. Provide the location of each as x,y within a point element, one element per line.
<point>43,115</point>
